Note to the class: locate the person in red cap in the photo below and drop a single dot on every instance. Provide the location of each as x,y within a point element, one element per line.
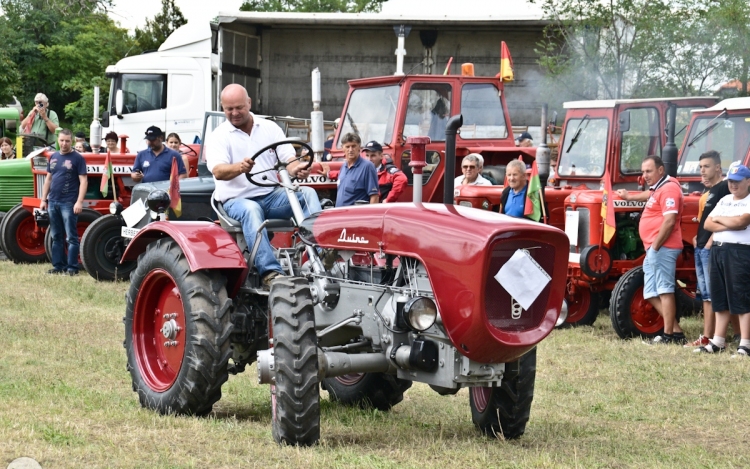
<point>391,180</point>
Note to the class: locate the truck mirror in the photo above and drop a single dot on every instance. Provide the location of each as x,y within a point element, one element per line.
<point>624,121</point>
<point>118,103</point>
<point>105,119</point>
<point>336,123</point>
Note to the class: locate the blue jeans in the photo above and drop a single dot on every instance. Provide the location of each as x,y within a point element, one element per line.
<point>703,269</point>
<point>62,222</point>
<point>274,205</point>
<point>659,271</point>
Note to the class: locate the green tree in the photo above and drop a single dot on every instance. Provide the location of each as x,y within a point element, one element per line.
<point>732,19</point>
<point>324,6</point>
<point>10,78</point>
<point>158,30</point>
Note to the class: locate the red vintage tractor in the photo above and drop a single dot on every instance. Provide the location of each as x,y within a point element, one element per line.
<point>25,239</point>
<point>415,295</point>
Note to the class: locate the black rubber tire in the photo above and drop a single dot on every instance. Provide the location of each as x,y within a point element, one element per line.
<point>367,390</point>
<point>589,318</point>
<point>620,305</point>
<point>2,244</point>
<point>208,327</point>
<point>508,406</point>
<point>589,256</point>
<point>11,223</point>
<point>687,304</point>
<point>101,249</point>
<point>295,395</point>
<point>86,217</point>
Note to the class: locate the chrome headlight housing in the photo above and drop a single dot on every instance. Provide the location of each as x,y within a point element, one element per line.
<point>419,314</point>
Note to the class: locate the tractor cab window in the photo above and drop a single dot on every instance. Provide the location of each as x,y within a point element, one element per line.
<point>730,136</point>
<point>428,111</point>
<point>584,148</point>
<point>640,140</point>
<point>432,158</point>
<point>370,114</point>
<point>482,110</point>
<point>142,92</point>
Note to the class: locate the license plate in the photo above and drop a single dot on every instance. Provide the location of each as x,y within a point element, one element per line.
<point>129,232</point>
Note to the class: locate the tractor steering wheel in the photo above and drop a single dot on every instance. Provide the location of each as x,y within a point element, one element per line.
<point>188,150</point>
<point>300,156</point>
<point>37,137</point>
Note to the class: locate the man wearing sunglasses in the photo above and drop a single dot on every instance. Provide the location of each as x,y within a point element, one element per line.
<point>471,166</point>
<point>41,120</point>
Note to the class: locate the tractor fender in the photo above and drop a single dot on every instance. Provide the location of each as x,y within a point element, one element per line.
<point>205,245</point>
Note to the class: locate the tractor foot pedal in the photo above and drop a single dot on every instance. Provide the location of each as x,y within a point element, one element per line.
<point>259,291</point>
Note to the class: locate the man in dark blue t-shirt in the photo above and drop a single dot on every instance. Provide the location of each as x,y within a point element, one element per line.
<point>62,196</point>
<point>155,163</point>
<point>358,178</point>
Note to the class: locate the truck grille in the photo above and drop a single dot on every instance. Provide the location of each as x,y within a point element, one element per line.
<point>501,310</point>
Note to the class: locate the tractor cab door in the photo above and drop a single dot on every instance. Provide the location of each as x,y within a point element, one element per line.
<point>640,131</point>
<point>429,106</point>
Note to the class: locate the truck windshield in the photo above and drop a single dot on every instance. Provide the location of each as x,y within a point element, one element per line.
<point>584,148</point>
<point>730,136</point>
<point>482,110</point>
<point>370,114</point>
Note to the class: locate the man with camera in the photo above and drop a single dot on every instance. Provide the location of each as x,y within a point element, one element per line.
<point>63,192</point>
<point>41,121</point>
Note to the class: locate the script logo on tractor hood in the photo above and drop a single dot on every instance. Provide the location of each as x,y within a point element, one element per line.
<point>354,239</point>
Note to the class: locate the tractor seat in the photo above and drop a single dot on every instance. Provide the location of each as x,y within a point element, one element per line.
<point>234,226</point>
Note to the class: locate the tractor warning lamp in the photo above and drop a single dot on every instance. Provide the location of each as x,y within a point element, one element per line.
<point>467,69</point>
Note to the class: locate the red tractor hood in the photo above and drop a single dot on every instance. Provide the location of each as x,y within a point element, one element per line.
<point>462,249</point>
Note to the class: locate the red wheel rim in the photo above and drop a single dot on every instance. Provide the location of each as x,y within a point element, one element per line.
<point>644,316</point>
<point>351,379</point>
<point>29,239</point>
<point>481,397</point>
<point>159,330</point>
<point>578,305</point>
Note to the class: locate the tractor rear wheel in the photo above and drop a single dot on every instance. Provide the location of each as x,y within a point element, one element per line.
<point>367,390</point>
<point>295,394</point>
<point>85,218</point>
<point>22,241</point>
<point>583,308</point>
<point>632,315</point>
<point>504,410</point>
<point>102,248</point>
<point>687,302</point>
<point>177,329</point>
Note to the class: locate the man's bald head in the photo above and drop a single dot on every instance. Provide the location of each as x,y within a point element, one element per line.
<point>236,104</point>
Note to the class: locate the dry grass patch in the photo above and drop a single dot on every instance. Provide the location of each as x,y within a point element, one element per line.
<point>67,401</point>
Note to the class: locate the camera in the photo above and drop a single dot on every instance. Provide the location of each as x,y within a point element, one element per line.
<point>40,105</point>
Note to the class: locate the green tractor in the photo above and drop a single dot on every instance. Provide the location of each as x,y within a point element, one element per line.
<point>16,180</point>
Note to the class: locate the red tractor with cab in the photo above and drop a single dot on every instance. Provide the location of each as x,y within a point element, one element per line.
<point>418,292</point>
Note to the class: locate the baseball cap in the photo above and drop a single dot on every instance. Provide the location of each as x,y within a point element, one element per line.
<point>524,136</point>
<point>153,132</point>
<point>80,135</point>
<point>738,173</point>
<point>373,146</point>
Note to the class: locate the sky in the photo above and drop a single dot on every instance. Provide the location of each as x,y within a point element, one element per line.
<point>133,13</point>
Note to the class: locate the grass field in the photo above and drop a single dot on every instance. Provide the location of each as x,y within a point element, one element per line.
<point>66,401</point>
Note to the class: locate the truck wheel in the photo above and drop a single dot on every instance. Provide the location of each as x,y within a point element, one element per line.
<point>85,218</point>
<point>367,390</point>
<point>102,248</point>
<point>583,308</point>
<point>504,410</point>
<point>631,315</point>
<point>22,242</point>
<point>177,328</point>
<point>295,396</point>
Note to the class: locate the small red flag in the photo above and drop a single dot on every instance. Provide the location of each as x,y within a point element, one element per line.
<point>174,189</point>
<point>506,64</point>
<point>104,186</point>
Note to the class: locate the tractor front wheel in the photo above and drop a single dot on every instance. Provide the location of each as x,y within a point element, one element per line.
<point>177,328</point>
<point>504,410</point>
<point>367,390</point>
<point>632,315</point>
<point>295,395</point>
<point>22,240</point>
<point>583,308</point>
<point>102,248</point>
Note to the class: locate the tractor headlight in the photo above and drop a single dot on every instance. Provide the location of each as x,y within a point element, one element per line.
<point>115,208</point>
<point>419,313</point>
<point>465,203</point>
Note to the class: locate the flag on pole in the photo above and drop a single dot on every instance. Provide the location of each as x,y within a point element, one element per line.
<point>533,207</point>
<point>174,189</point>
<point>608,210</point>
<point>506,64</point>
<point>106,176</point>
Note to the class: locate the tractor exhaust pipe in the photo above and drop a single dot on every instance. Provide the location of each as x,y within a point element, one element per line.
<point>95,131</point>
<point>454,123</point>
<point>543,152</point>
<point>316,119</point>
<point>669,152</point>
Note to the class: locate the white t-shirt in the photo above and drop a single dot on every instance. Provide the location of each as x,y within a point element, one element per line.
<point>479,181</point>
<point>228,145</point>
<point>728,207</point>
